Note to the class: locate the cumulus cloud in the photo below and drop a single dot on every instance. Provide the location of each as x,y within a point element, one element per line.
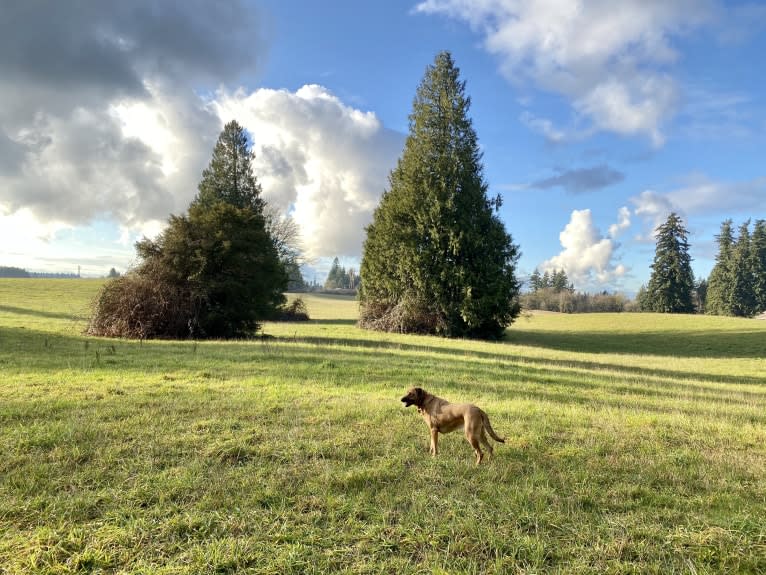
<point>323,161</point>
<point>98,112</point>
<point>582,180</point>
<point>608,58</point>
<point>587,256</point>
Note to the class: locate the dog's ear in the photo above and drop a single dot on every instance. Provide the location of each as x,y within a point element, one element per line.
<point>420,396</point>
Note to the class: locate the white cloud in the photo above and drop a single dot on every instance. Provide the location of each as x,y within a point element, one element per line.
<point>623,222</point>
<point>700,196</point>
<point>325,162</point>
<point>607,57</point>
<point>587,257</point>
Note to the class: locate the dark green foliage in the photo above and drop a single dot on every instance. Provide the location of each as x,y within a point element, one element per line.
<point>229,177</point>
<point>719,293</point>
<point>700,295</point>
<point>758,257</point>
<point>672,281</point>
<point>13,272</point>
<point>437,259</point>
<point>737,284</point>
<point>213,273</point>
<point>556,281</point>
<point>742,292</point>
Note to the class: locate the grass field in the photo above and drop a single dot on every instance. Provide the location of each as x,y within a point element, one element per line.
<point>635,444</point>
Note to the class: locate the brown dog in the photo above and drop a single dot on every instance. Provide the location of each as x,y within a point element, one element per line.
<point>441,416</point>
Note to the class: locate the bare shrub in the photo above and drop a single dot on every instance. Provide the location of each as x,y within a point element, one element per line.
<point>407,316</point>
<point>135,306</point>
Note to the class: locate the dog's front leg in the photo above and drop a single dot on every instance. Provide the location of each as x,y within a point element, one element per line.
<point>434,441</point>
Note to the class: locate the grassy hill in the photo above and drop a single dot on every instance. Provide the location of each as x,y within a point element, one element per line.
<point>634,444</point>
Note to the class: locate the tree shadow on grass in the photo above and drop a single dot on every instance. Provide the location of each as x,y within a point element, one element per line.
<point>40,313</point>
<point>703,344</point>
<point>457,354</point>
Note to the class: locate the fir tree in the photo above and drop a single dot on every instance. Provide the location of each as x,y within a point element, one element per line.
<point>742,277</point>
<point>721,281</point>
<point>436,257</point>
<point>758,255</point>
<point>672,281</point>
<point>214,272</point>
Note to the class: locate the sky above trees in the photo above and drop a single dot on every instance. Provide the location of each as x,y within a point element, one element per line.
<point>596,120</point>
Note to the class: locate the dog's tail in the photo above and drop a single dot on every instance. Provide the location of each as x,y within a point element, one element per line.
<point>489,429</point>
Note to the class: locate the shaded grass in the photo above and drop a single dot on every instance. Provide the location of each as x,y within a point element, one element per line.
<point>293,454</point>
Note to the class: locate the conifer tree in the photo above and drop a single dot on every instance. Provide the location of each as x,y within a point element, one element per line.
<point>671,284</point>
<point>758,255</point>
<point>214,272</point>
<point>437,258</point>
<point>742,277</point>
<point>721,281</point>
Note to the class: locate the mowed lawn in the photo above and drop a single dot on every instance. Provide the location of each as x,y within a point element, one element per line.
<point>635,444</point>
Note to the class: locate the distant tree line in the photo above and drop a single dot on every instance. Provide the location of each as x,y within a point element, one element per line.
<point>14,272</point>
<point>340,278</point>
<point>736,285</point>
<point>553,291</point>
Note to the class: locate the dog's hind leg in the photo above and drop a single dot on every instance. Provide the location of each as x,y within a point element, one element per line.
<point>474,441</point>
<point>486,443</point>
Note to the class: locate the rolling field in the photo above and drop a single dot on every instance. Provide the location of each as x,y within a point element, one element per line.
<point>634,444</point>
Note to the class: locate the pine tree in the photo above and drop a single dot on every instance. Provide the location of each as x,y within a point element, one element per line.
<point>535,281</point>
<point>437,258</point>
<point>721,281</point>
<point>560,282</point>
<point>672,282</point>
<point>214,272</point>
<point>742,293</point>
<point>758,255</point>
<point>229,177</point>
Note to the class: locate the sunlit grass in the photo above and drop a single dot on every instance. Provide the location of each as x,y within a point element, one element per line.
<point>635,444</point>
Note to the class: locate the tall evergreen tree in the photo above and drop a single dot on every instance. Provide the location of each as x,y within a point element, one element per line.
<point>721,281</point>
<point>758,255</point>
<point>742,288</point>
<point>437,258</point>
<point>214,272</point>
<point>229,177</point>
<point>671,284</point>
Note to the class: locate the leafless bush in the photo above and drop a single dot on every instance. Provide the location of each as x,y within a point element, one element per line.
<point>406,316</point>
<point>139,307</point>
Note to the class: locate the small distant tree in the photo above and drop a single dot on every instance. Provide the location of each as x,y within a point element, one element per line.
<point>560,282</point>
<point>536,281</point>
<point>672,281</point>
<point>113,273</point>
<point>337,277</point>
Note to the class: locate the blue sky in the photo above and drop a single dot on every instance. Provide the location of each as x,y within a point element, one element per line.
<point>596,120</point>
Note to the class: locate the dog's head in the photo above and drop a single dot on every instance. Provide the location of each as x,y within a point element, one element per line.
<point>415,396</point>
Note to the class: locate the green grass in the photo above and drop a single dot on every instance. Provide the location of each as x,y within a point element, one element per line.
<point>635,444</point>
